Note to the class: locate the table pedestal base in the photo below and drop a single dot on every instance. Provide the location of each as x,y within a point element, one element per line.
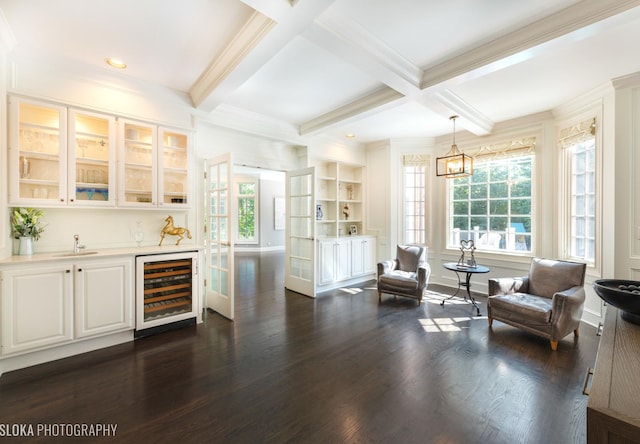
<point>466,283</point>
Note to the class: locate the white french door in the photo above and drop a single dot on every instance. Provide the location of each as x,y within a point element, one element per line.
<point>300,232</point>
<point>220,226</point>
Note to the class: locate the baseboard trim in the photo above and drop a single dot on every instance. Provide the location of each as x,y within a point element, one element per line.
<point>28,359</point>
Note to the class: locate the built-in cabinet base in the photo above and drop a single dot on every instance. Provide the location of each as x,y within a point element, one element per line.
<point>27,359</point>
<point>344,261</point>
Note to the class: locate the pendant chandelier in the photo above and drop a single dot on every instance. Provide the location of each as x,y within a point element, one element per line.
<point>455,163</point>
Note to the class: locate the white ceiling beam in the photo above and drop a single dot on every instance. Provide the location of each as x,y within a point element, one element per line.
<point>447,103</point>
<point>353,111</point>
<point>242,44</point>
<point>257,43</point>
<point>570,19</point>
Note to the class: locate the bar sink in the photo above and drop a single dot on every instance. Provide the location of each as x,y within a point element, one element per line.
<point>73,253</point>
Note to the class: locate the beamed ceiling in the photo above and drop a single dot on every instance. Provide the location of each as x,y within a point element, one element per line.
<point>377,69</point>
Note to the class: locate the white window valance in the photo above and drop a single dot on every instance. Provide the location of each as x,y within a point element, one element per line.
<point>512,148</point>
<point>415,160</point>
<point>581,132</point>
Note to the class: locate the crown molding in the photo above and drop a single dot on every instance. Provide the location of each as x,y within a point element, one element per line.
<point>628,81</point>
<point>572,18</point>
<point>253,31</point>
<point>470,118</point>
<point>352,111</point>
<point>248,122</point>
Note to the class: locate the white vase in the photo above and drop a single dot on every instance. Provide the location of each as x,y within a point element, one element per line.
<point>25,247</point>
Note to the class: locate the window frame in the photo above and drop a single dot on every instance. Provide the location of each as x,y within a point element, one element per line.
<point>412,161</point>
<point>256,205</point>
<point>565,201</point>
<point>509,146</point>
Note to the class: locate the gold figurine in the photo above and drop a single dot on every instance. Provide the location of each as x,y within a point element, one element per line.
<point>173,231</point>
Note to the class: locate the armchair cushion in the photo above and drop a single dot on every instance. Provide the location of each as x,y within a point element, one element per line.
<point>409,256</point>
<point>547,276</point>
<point>400,279</point>
<point>535,309</point>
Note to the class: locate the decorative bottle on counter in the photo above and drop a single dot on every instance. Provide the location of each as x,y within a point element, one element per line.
<point>138,234</point>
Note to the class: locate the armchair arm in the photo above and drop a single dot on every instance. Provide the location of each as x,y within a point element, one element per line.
<point>508,285</point>
<point>387,266</point>
<point>424,271</point>
<point>566,310</point>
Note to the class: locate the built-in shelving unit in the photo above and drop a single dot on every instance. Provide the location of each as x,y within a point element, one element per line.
<point>344,252</point>
<point>339,199</point>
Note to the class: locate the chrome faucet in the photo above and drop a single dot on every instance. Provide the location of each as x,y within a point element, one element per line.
<point>76,244</point>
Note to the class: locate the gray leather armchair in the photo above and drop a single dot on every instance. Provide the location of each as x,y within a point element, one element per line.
<point>548,302</point>
<point>407,275</point>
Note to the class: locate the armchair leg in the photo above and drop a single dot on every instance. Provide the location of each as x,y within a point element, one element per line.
<point>379,296</point>
<point>554,345</point>
<point>490,321</point>
<point>576,332</point>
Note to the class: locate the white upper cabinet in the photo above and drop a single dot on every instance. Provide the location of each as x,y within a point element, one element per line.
<point>91,159</point>
<point>153,167</point>
<point>173,167</point>
<point>37,153</point>
<point>138,167</point>
<point>60,156</point>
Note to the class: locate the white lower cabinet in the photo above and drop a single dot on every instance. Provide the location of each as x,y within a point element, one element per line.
<point>46,305</point>
<point>362,256</point>
<point>334,260</point>
<point>103,297</point>
<point>341,259</point>
<point>37,307</point>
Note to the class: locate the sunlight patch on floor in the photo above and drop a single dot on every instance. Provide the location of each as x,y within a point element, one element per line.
<point>352,290</point>
<point>444,325</point>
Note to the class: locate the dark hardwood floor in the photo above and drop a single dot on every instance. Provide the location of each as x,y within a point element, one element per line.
<point>340,368</point>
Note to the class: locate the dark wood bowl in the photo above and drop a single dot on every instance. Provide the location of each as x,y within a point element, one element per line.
<point>622,294</point>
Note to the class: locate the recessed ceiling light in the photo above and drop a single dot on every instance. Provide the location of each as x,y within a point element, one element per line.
<point>115,63</point>
<point>350,136</point>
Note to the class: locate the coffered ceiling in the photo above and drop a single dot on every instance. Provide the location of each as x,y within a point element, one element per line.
<point>377,69</point>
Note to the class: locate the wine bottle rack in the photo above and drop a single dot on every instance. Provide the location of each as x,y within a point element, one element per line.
<point>166,288</point>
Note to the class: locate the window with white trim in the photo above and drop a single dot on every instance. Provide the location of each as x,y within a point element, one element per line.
<point>414,209</point>
<point>579,144</point>
<point>247,198</point>
<point>493,207</point>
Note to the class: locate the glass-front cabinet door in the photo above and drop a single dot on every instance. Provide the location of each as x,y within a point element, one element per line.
<point>37,153</point>
<point>173,167</point>
<point>92,156</point>
<point>138,164</point>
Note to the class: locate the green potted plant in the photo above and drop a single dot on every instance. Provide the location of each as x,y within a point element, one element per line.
<point>26,225</point>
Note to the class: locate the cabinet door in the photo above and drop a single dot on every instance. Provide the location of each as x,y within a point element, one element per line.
<point>326,262</point>
<point>36,308</point>
<point>103,297</point>
<point>138,165</point>
<point>37,153</point>
<point>173,168</point>
<point>362,256</point>
<point>91,159</point>
<point>357,257</point>
<point>369,255</point>
<point>342,254</point>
